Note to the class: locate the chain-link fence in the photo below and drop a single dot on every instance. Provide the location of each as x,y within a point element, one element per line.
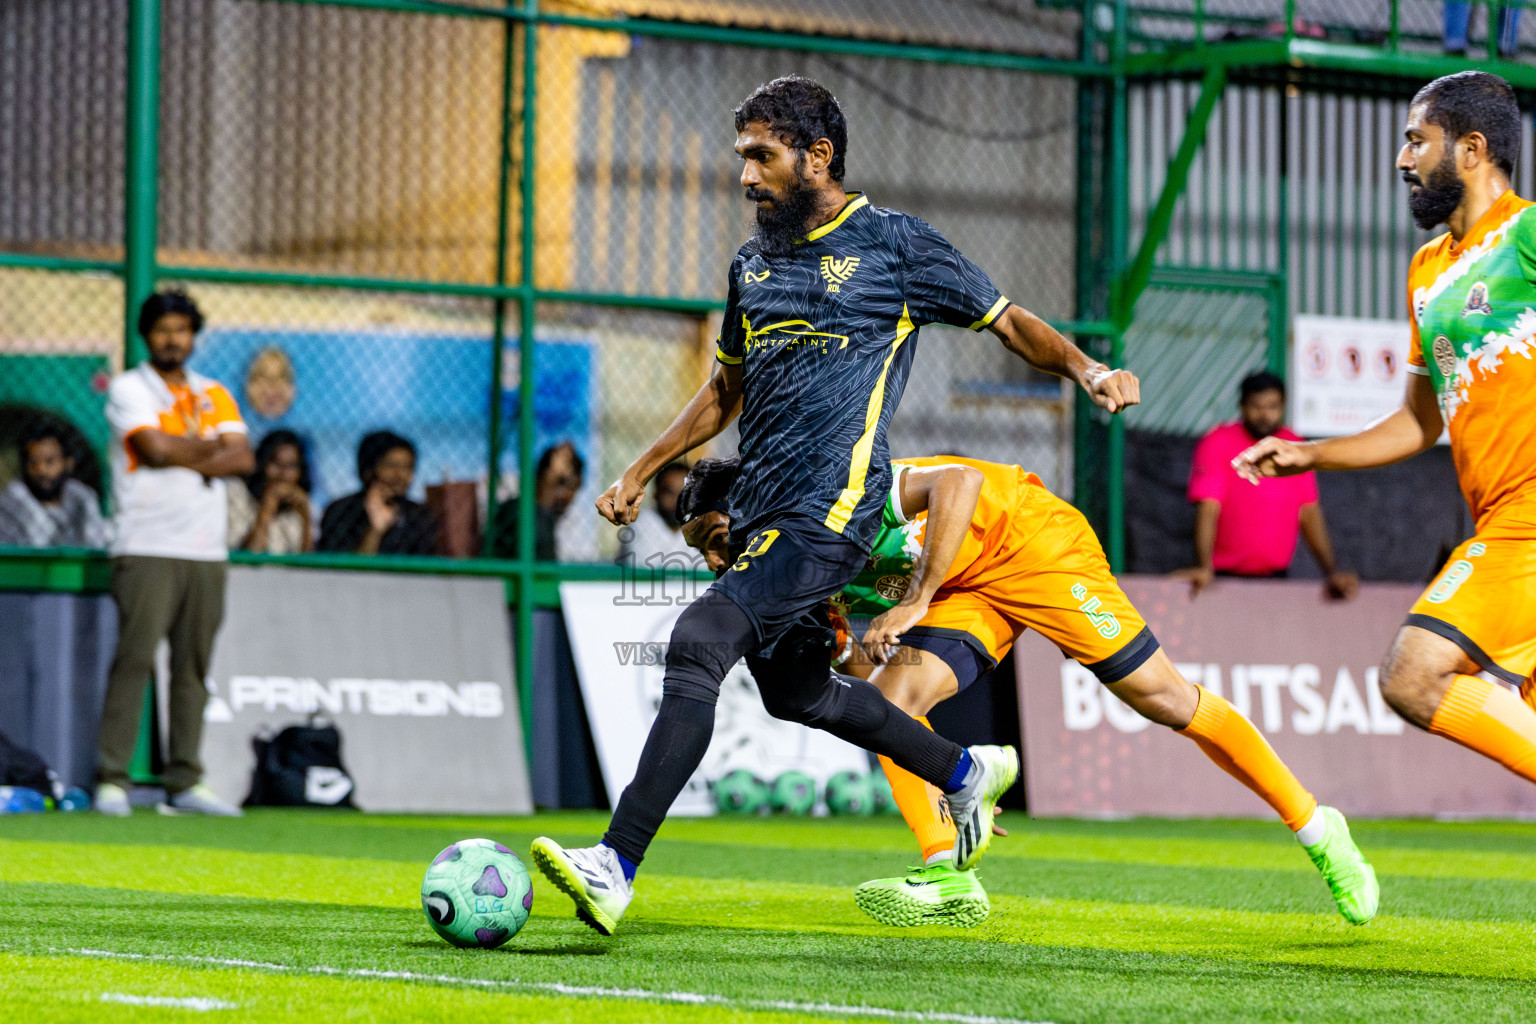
<point>341,189</point>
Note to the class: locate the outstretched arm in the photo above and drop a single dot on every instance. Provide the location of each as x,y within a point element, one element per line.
<point>1041,346</point>
<point>710,411</point>
<point>948,494</point>
<point>1413,428</point>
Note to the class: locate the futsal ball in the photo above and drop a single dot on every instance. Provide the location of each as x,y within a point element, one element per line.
<point>477,894</point>
<point>885,800</point>
<point>793,793</point>
<point>741,792</point>
<point>850,793</point>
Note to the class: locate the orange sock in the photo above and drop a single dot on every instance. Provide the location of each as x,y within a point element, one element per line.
<point>1489,719</point>
<point>1232,742</point>
<point>922,806</point>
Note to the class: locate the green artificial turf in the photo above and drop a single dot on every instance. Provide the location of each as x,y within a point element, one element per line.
<point>300,915</point>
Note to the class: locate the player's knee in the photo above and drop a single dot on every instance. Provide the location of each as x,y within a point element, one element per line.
<point>1416,672</point>
<point>796,679</point>
<point>709,637</point>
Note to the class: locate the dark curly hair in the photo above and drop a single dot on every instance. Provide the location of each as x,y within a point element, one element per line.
<point>1475,101</point>
<point>372,449</point>
<point>266,451</point>
<point>705,490</point>
<point>799,111</point>
<point>162,303</point>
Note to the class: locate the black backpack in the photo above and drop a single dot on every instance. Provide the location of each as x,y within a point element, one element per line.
<point>300,767</point>
<point>22,767</point>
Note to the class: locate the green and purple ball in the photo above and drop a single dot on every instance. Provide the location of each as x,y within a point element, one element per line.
<point>477,894</point>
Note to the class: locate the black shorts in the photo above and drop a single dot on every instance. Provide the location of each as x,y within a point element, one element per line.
<point>787,571</point>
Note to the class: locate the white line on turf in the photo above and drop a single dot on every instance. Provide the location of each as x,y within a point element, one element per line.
<point>198,1003</point>
<point>557,988</point>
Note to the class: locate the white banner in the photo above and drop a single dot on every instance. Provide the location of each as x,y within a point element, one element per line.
<point>1346,372</point>
<point>619,640</point>
<point>415,671</point>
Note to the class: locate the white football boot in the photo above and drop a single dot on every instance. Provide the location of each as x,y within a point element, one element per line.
<point>993,771</point>
<point>590,875</point>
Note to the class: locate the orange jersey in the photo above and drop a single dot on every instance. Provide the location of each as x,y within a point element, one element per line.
<point>1472,305</point>
<point>1028,560</point>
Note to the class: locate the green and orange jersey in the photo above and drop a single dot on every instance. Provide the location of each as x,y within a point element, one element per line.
<point>993,535</point>
<point>1472,305</point>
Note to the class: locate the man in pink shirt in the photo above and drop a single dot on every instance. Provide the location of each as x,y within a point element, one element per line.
<point>1243,530</point>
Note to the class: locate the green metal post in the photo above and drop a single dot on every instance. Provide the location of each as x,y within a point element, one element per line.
<point>526,316</point>
<point>1394,27</point>
<point>140,236</point>
<point>499,304</point>
<point>1280,307</point>
<point>141,198</point>
<point>1119,230</point>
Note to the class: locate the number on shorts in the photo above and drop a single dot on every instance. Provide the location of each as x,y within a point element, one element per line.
<point>1105,622</point>
<point>756,546</point>
<point>1459,572</point>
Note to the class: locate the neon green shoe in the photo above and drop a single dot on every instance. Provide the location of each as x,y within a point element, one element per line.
<point>972,809</point>
<point>1348,874</point>
<point>929,894</point>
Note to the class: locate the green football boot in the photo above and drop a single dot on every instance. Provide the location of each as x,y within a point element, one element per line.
<point>591,876</point>
<point>929,894</point>
<point>973,807</point>
<point>1349,875</point>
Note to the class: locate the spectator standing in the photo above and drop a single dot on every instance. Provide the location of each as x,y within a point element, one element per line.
<point>270,512</point>
<point>557,478</point>
<point>1243,530</point>
<point>657,533</point>
<point>380,519</point>
<point>176,436</point>
<point>1458,25</point>
<point>46,507</point>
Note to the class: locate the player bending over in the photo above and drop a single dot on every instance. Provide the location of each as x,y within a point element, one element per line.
<point>1472,307</point>
<point>822,316</point>
<point>969,554</point>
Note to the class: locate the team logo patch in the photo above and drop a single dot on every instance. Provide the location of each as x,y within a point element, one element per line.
<point>1477,301</point>
<point>1445,356</point>
<point>838,271</point>
<point>751,278</point>
<point>892,588</point>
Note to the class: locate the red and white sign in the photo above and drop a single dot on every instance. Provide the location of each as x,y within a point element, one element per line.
<point>1346,373</point>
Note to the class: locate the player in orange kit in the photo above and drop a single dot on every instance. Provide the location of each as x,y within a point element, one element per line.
<point>970,554</point>
<point>1472,309</point>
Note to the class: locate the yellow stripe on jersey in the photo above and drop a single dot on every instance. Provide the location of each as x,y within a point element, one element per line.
<point>727,360</point>
<point>992,314</point>
<point>858,469</point>
<point>856,200</point>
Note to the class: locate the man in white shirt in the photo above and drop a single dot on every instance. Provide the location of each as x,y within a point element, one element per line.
<point>176,435</point>
<point>46,507</point>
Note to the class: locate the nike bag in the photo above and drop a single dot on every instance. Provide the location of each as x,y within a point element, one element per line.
<point>300,767</point>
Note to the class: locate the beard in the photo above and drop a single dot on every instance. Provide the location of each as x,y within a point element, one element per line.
<point>1437,197</point>
<point>45,490</point>
<point>780,225</point>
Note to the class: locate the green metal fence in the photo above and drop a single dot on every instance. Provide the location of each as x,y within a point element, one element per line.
<point>501,225</point>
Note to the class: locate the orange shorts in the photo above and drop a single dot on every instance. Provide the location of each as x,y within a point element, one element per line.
<point>1049,575</point>
<point>1484,601</point>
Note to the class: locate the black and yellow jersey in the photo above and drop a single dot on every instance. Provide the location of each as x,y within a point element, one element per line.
<point>825,337</point>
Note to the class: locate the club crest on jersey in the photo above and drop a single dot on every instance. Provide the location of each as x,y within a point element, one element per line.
<point>892,588</point>
<point>1477,301</point>
<point>1444,354</point>
<point>838,271</point>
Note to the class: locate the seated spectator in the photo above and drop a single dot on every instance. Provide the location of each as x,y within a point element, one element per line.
<point>656,532</point>
<point>269,512</point>
<point>558,477</point>
<point>46,507</point>
<point>380,519</point>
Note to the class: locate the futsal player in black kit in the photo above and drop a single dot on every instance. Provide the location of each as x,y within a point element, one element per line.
<point>821,322</point>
